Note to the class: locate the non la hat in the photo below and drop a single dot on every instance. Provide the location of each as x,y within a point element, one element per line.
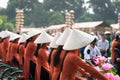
<point>32,33</point>
<point>14,36</point>
<point>10,39</point>
<point>117,33</point>
<point>77,39</point>
<point>23,38</point>
<point>53,43</point>
<point>1,34</point>
<point>62,39</point>
<point>107,32</point>
<point>43,38</point>
<point>5,34</point>
<point>9,32</point>
<point>92,33</point>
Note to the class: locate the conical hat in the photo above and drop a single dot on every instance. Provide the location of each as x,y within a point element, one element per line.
<point>23,38</point>
<point>77,39</point>
<point>43,38</point>
<point>107,32</point>
<point>10,39</point>
<point>32,33</point>
<point>117,33</point>
<point>5,34</point>
<point>53,43</point>
<point>61,40</point>
<point>1,33</point>
<point>14,36</point>
<point>9,32</point>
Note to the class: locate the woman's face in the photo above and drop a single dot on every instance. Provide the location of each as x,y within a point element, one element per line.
<point>93,44</point>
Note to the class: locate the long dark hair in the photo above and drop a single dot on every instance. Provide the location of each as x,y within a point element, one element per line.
<point>18,48</point>
<point>61,64</point>
<point>27,41</point>
<point>49,58</point>
<point>36,51</point>
<point>94,41</point>
<point>56,57</point>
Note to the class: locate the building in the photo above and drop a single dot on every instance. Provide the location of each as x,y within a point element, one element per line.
<point>56,28</point>
<point>100,26</point>
<point>88,27</point>
<point>115,27</point>
<point>25,30</point>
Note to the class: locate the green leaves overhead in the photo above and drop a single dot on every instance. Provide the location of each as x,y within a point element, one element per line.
<point>104,9</point>
<point>5,24</point>
<point>51,12</point>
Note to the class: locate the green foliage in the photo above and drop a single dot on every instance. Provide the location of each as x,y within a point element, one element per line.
<point>65,5</point>
<point>86,17</point>
<point>55,5</point>
<point>52,12</point>
<point>2,11</point>
<point>116,3</point>
<point>56,18</point>
<point>11,10</point>
<point>104,10</point>
<point>39,17</point>
<point>6,25</point>
<point>4,18</point>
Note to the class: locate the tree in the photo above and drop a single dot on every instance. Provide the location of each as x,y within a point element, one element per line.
<point>5,24</point>
<point>56,17</point>
<point>11,10</point>
<point>43,14</point>
<point>43,18</point>
<point>65,5</point>
<point>52,12</point>
<point>116,3</point>
<point>2,11</point>
<point>86,17</point>
<point>27,5</point>
<point>57,5</point>
<point>8,26</point>
<point>39,17</point>
<point>103,10</point>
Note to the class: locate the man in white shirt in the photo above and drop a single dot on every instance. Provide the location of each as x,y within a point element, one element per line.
<point>91,50</point>
<point>103,45</point>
